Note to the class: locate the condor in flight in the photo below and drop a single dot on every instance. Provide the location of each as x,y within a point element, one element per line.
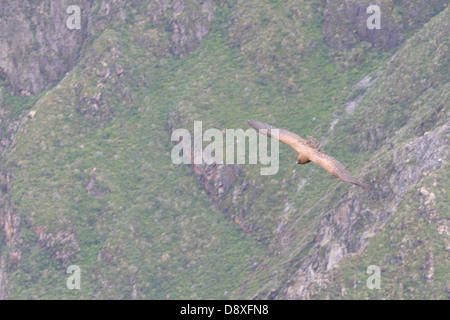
<point>308,151</point>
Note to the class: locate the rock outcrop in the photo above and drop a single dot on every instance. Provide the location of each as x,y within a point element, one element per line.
<point>85,170</point>
<point>36,47</point>
<point>345,22</point>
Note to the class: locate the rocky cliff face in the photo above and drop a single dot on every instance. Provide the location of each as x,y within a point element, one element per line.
<point>85,171</point>
<point>345,22</point>
<point>413,148</point>
<point>397,171</point>
<point>341,232</point>
<point>38,49</point>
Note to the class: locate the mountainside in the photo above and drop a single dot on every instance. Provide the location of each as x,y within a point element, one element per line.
<point>86,176</point>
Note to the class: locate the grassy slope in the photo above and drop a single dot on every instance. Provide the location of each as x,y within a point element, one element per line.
<point>149,229</point>
<point>411,99</point>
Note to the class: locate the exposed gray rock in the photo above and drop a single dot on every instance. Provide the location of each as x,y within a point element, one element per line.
<point>36,47</point>
<point>430,152</point>
<point>190,24</point>
<point>345,22</point>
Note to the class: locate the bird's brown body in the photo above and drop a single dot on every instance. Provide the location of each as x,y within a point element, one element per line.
<point>308,151</point>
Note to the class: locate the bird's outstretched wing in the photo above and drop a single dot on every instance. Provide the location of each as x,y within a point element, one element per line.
<point>336,169</point>
<point>293,140</point>
<point>308,153</point>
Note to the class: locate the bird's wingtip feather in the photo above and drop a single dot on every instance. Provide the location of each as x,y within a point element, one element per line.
<point>364,185</point>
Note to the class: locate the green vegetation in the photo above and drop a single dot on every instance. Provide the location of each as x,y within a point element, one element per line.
<point>94,184</point>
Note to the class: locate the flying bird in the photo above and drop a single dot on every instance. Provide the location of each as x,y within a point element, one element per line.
<point>308,151</point>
